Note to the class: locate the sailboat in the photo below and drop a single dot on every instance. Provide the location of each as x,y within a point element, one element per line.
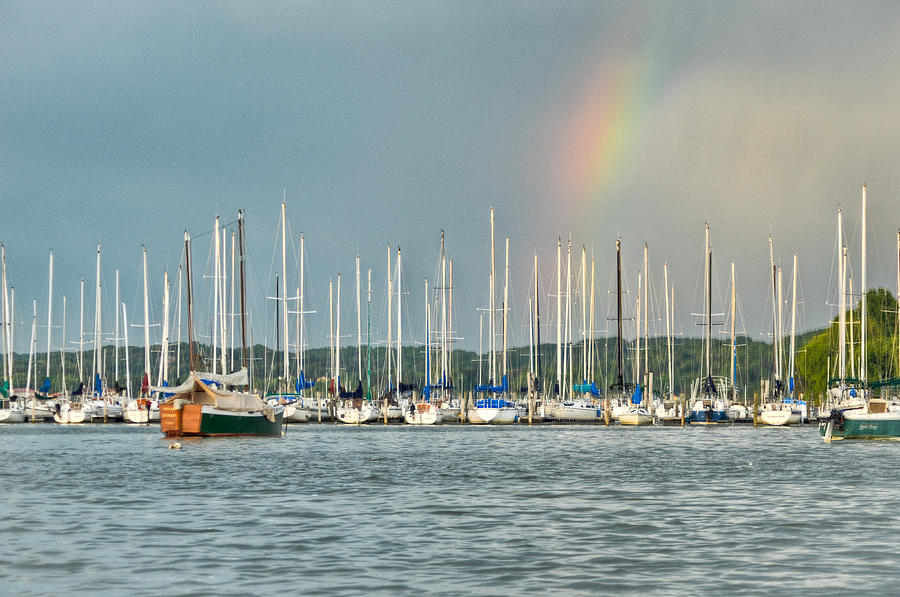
<point>637,414</point>
<point>781,410</point>
<point>568,407</point>
<point>858,415</point>
<point>352,409</point>
<point>424,411</point>
<point>206,405</point>
<point>708,405</point>
<point>140,410</point>
<point>494,407</point>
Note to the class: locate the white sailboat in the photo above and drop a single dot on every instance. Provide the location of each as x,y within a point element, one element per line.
<point>423,411</point>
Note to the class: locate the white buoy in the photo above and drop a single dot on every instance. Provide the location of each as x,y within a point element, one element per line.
<point>175,446</point>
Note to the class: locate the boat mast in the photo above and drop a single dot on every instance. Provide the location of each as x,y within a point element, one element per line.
<point>80,339</point>
<point>97,326</point>
<point>537,327</point>
<point>116,355</point>
<point>301,314</point>
<point>646,310</point>
<point>567,340</point>
<point>733,358</point>
<point>358,325</point>
<point>444,369</point>
<point>223,319</point>
<point>584,343</point>
<point>6,343</point>
<point>590,377</point>
<point>399,321</point>
<point>127,370</point>
<point>31,346</point>
<point>285,365</point>
<point>850,341</point>
<point>62,349</point>
<point>190,301</point>
<point>449,379</point>
<point>863,359</point>
<point>390,324</point>
<point>793,327</point>
<point>215,326</point>
<point>620,357</point>
<point>427,392</point>
<point>331,335</point>
<point>637,339</point>
<point>50,318</point>
<point>163,375</point>
<point>708,305</point>
<point>244,354</point>
<point>842,308</point>
<point>369,337</point>
<point>774,270</point>
<point>492,339</point>
<point>231,311</point>
<point>147,322</point>
<point>505,313</point>
<point>178,327</point>
<point>559,380</point>
<point>668,326</point>
<point>337,340</point>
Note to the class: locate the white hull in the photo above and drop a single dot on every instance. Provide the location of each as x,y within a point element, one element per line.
<point>394,412</point>
<point>494,416</point>
<point>296,414</point>
<point>352,416</point>
<point>12,415</point>
<point>428,417</point>
<point>450,413</point>
<point>573,412</point>
<point>779,417</point>
<point>636,417</point>
<point>68,416</point>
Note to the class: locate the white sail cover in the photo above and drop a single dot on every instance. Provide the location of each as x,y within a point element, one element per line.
<point>238,378</point>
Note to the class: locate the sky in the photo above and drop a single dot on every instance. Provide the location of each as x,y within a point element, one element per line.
<point>128,123</point>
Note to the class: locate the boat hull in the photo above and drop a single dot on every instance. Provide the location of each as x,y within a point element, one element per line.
<point>12,415</point>
<point>779,418</point>
<point>195,420</point>
<point>505,415</point>
<point>428,417</point>
<point>865,426</point>
<point>632,418</point>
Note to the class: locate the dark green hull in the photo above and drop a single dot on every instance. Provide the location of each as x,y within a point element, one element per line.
<point>867,427</point>
<point>213,424</point>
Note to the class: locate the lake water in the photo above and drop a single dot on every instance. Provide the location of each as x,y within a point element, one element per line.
<point>450,510</point>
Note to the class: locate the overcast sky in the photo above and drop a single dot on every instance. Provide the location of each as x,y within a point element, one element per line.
<point>387,122</point>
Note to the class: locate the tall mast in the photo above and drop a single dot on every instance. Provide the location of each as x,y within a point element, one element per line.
<point>850,341</point>
<point>284,310</point>
<point>358,324</point>
<point>223,319</point>
<point>842,304</point>
<point>399,322</point>
<point>668,327</point>
<point>733,352</point>
<point>584,343</point>
<point>774,271</point>
<point>50,318</point>
<point>449,379</point>
<point>31,345</point>
<point>493,332</point>
<point>567,342</point>
<point>231,311</point>
<point>620,357</point>
<point>505,307</point>
<point>178,326</point>
<point>390,324</point>
<point>147,318</point>
<point>80,338</point>
<point>559,379</point>
<point>127,369</point>
<point>163,375</point>
<point>637,339</point>
<point>427,391</point>
<point>7,345</point>
<point>216,274</point>
<point>443,315</point>
<point>302,307</point>
<point>780,341</point>
<point>590,374</point>
<point>793,327</point>
<point>116,355</point>
<point>537,326</point>
<point>337,339</point>
<point>97,325</point>
<point>369,337</point>
<point>708,304</point>
<point>62,348</point>
<point>646,309</point>
<point>864,365</point>
<point>244,354</point>
<point>331,335</point>
<point>190,301</point>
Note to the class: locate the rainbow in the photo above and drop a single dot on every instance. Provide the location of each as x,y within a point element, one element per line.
<point>606,128</point>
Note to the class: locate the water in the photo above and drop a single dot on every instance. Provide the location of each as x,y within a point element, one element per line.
<point>340,510</point>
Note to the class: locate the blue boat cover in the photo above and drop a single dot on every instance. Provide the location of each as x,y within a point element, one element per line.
<point>586,388</point>
<point>637,397</point>
<point>45,387</point>
<point>503,387</point>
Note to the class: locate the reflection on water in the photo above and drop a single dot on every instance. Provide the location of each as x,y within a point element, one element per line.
<point>448,510</point>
